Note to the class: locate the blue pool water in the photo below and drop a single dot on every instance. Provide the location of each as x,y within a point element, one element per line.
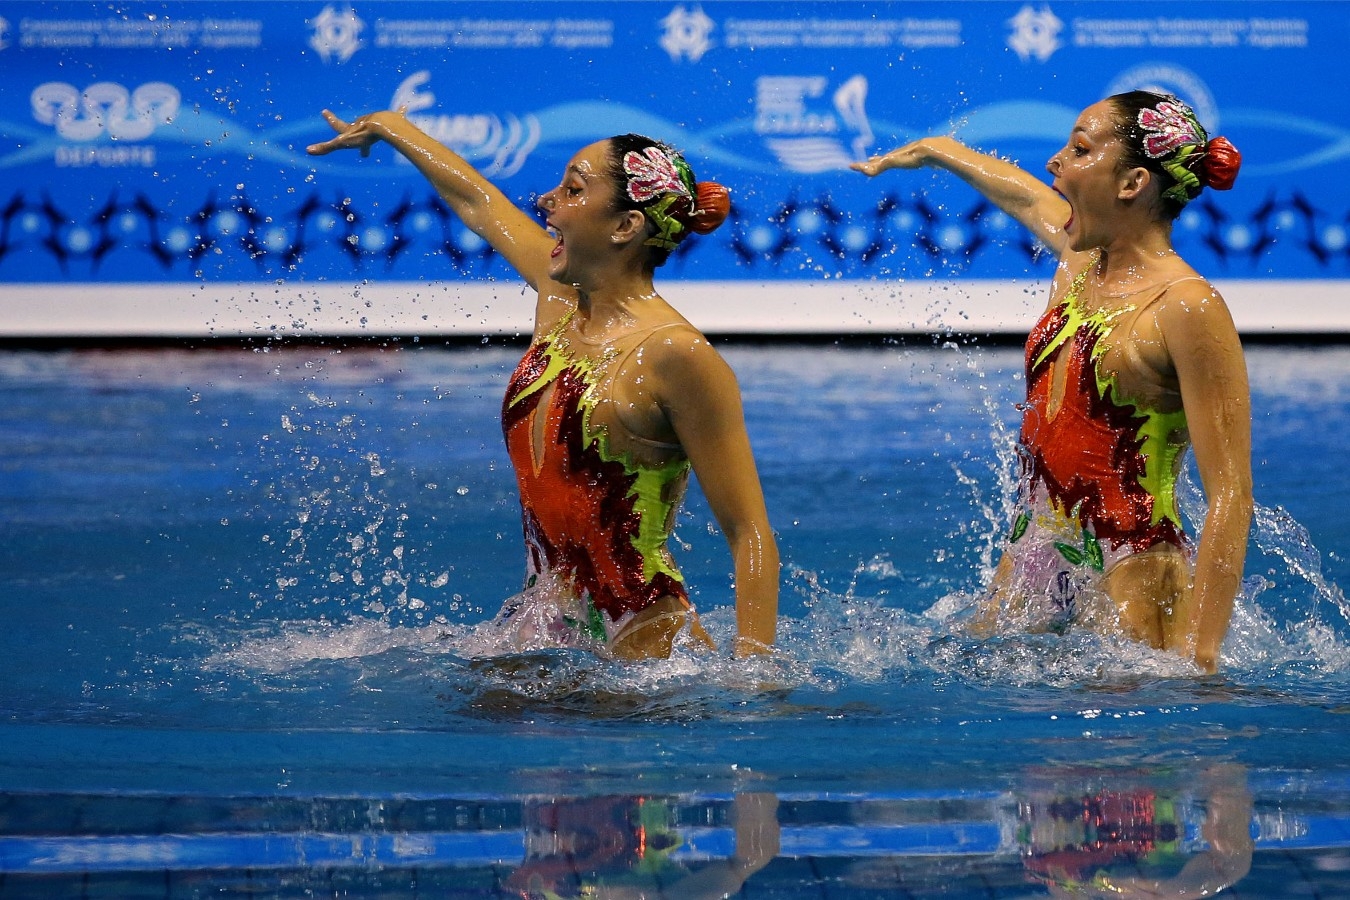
<point>237,583</point>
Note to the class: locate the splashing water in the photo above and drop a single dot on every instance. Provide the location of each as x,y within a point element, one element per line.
<point>346,557</point>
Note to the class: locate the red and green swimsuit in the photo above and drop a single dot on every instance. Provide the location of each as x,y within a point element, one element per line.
<point>594,520</point>
<point>1099,472</point>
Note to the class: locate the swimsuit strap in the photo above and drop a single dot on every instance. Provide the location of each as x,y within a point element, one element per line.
<point>642,337</point>
<point>618,363</point>
<point>1163,289</point>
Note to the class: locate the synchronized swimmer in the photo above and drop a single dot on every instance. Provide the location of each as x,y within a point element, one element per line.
<point>1135,361</point>
<point>616,400</point>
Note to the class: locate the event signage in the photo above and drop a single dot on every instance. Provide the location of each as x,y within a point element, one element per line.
<point>153,174</point>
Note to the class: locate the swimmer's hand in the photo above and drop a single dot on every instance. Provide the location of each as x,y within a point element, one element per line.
<point>914,155</point>
<point>361,134</point>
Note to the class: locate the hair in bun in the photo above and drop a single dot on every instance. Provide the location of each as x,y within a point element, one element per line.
<point>654,178</point>
<point>1161,133</point>
<point>711,207</point>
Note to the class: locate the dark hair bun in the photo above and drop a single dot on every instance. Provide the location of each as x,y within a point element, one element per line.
<point>712,206</point>
<point>1221,164</point>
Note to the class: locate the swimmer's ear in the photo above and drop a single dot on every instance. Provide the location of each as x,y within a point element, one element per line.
<point>1133,182</point>
<point>632,225</point>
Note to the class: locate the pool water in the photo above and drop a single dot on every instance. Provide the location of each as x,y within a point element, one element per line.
<point>238,584</point>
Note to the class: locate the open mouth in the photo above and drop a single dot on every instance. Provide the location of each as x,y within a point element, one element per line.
<point>557,247</point>
<point>1069,220</point>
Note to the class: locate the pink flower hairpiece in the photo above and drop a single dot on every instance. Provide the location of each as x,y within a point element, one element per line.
<point>651,174</point>
<point>1167,128</point>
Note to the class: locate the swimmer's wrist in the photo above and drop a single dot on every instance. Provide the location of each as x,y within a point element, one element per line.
<point>384,123</point>
<point>940,152</point>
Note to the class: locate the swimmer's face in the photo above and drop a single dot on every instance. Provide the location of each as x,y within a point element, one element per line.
<point>581,214</point>
<point>1087,174</point>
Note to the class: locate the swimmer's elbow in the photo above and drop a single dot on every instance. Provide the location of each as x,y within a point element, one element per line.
<point>759,549</point>
<point>1235,507</point>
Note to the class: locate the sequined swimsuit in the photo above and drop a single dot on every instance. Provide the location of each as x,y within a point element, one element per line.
<point>591,516</point>
<point>1105,461</point>
<point>1078,843</point>
<point>1099,472</point>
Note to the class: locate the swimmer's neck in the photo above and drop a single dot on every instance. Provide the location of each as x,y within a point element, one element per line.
<point>1126,261</point>
<point>617,302</point>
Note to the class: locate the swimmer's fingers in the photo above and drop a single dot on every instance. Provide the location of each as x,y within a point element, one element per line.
<point>357,135</point>
<point>332,119</point>
<point>902,158</point>
<point>869,167</point>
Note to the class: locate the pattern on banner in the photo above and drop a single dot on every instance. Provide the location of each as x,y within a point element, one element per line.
<point>105,108</point>
<point>497,145</point>
<point>687,34</point>
<point>1035,33</point>
<point>815,143</point>
<point>904,235</point>
<point>337,33</point>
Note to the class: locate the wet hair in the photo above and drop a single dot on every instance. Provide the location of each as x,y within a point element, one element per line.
<point>1161,133</point>
<point>654,178</point>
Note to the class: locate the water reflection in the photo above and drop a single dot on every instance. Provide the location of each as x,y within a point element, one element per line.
<point>1190,829</point>
<point>631,847</point>
<point>1136,835</point>
<point>1078,832</point>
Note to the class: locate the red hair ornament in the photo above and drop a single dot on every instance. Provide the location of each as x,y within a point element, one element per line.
<point>1221,164</point>
<point>713,206</point>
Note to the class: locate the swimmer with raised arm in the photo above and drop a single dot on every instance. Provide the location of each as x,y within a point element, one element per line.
<point>616,399</point>
<point>1135,359</point>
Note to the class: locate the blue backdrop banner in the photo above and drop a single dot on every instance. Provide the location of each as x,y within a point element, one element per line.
<point>155,151</point>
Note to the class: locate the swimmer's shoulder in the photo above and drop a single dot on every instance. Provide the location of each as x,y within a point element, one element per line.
<point>1191,294</point>
<point>1191,313</point>
<point>681,353</point>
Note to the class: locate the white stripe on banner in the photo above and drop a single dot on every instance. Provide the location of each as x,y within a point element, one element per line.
<point>1261,307</point>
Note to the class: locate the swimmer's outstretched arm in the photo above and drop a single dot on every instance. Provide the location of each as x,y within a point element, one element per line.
<point>478,203</point>
<point>1011,188</point>
<point>698,392</point>
<point>1210,369</point>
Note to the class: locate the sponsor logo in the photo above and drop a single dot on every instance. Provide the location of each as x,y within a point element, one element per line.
<point>337,33</point>
<point>105,109</point>
<point>807,135</point>
<point>498,145</point>
<point>4,32</point>
<point>687,34</point>
<point>1035,33</point>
